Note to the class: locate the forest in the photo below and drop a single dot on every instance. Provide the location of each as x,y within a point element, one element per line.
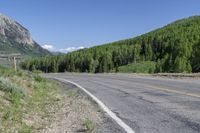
<point>174,48</point>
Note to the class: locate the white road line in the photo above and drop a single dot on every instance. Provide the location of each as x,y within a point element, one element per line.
<point>103,106</point>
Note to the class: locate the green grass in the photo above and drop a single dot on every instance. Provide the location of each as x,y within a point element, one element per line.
<point>24,94</point>
<point>72,93</point>
<point>141,67</point>
<point>89,126</point>
<point>25,129</point>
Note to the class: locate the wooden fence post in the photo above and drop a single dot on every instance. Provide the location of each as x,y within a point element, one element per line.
<point>11,57</point>
<point>15,63</point>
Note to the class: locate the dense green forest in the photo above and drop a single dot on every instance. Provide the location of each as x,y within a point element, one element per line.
<point>174,48</point>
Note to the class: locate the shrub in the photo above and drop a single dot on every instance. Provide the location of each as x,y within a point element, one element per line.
<point>38,78</point>
<point>7,86</point>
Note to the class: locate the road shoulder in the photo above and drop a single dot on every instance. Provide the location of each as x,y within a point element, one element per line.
<point>78,113</point>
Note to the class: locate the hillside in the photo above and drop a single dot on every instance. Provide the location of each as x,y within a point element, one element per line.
<point>174,48</point>
<point>14,38</point>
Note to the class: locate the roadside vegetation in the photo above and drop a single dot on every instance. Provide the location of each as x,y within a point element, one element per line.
<point>24,101</point>
<point>175,48</point>
<point>88,125</point>
<point>142,67</point>
<point>30,103</point>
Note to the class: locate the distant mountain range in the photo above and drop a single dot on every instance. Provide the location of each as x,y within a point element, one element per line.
<point>14,38</point>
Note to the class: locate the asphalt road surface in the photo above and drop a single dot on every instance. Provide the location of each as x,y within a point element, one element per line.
<point>146,104</point>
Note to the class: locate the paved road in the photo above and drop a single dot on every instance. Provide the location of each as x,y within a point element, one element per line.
<point>146,104</point>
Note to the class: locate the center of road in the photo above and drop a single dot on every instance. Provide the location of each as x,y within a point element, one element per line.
<point>174,91</point>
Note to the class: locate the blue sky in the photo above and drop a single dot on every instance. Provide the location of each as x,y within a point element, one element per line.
<point>76,23</point>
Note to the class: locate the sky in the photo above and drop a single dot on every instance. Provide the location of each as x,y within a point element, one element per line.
<point>66,25</point>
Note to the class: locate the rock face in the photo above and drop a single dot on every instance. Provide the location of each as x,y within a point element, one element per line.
<point>9,29</point>
<point>14,35</point>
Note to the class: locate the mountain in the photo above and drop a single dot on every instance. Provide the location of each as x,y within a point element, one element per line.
<point>173,48</point>
<point>14,38</point>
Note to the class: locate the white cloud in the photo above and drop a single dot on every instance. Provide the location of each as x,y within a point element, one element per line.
<point>70,49</point>
<point>49,47</point>
<point>63,50</point>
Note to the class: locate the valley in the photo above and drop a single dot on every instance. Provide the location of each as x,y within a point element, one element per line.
<point>79,81</point>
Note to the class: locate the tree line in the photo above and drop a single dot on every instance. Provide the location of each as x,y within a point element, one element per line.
<point>174,48</point>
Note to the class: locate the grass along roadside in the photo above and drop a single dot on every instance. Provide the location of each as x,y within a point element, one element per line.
<point>25,101</point>
<point>32,104</point>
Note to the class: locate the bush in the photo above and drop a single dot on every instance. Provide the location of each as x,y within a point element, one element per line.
<point>7,86</point>
<point>36,71</point>
<point>38,78</point>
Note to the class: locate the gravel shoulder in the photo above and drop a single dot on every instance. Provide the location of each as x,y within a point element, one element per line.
<point>78,113</point>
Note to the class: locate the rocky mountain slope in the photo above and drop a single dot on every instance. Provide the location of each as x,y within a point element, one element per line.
<point>14,38</point>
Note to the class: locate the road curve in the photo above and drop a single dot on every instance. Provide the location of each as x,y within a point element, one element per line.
<point>146,104</point>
